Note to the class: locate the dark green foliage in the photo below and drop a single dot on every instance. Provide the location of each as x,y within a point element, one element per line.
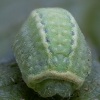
<point>12,86</point>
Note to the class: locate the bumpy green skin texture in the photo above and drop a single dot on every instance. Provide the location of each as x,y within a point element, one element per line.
<point>50,49</point>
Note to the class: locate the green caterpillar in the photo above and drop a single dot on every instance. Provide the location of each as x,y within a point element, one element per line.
<point>52,53</point>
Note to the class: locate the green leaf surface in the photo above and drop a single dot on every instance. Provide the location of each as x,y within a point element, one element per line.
<point>11,85</point>
<point>91,87</point>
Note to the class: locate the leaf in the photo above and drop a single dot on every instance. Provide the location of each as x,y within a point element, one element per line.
<point>11,85</point>
<point>91,87</point>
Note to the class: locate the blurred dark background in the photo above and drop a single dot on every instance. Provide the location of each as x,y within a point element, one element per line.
<point>13,13</point>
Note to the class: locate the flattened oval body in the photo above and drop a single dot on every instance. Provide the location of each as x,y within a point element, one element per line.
<point>52,53</point>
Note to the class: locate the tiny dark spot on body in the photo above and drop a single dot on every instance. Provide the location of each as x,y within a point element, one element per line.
<point>41,15</point>
<point>70,50</point>
<point>69,17</point>
<point>92,80</point>
<point>88,60</point>
<point>47,39</point>
<point>72,32</point>
<point>72,42</point>
<point>40,63</point>
<point>66,60</point>
<point>31,49</point>
<point>73,25</point>
<point>42,22</point>
<point>38,53</point>
<point>45,29</point>
<point>50,49</point>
